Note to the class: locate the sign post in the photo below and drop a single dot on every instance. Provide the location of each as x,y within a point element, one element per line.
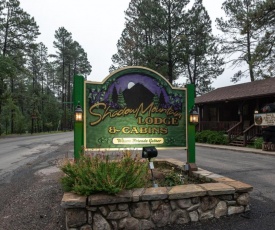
<point>191,156</point>
<point>78,99</point>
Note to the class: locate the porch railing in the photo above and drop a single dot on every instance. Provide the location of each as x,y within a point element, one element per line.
<point>251,132</point>
<point>235,131</point>
<point>216,125</point>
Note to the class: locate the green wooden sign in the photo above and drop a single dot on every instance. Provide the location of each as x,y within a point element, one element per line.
<point>132,108</point>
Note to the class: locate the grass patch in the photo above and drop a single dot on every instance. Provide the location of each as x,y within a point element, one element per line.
<point>258,143</point>
<point>94,173</point>
<point>104,173</point>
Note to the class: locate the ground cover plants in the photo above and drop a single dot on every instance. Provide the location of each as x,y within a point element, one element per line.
<point>258,143</point>
<point>211,137</point>
<point>167,176</point>
<point>93,173</point>
<point>111,173</point>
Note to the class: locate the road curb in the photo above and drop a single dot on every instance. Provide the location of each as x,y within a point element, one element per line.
<point>237,149</point>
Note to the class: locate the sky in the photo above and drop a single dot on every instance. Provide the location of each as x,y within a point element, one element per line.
<point>97,26</point>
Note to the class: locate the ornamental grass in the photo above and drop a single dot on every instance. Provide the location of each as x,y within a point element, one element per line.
<point>104,173</point>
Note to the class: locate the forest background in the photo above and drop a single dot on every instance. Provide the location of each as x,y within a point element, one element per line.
<point>167,36</point>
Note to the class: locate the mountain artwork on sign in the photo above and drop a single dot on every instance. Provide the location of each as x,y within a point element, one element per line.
<point>134,107</point>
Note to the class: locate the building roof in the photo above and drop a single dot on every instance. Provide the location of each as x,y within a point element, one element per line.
<point>258,88</point>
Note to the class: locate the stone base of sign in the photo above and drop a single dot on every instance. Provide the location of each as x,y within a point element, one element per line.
<point>268,146</point>
<point>152,208</point>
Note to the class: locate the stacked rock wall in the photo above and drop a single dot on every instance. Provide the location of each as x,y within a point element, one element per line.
<point>151,208</point>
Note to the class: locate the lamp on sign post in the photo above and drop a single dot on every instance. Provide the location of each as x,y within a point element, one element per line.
<point>78,113</point>
<point>193,119</point>
<point>194,116</point>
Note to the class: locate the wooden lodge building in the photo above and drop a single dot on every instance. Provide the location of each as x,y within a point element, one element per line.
<point>231,109</point>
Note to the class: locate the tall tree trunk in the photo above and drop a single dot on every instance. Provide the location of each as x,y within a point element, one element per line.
<point>69,95</point>
<point>63,89</point>
<point>1,93</point>
<point>12,111</point>
<point>65,107</point>
<point>6,34</point>
<point>4,51</point>
<point>42,103</point>
<point>170,62</point>
<point>249,58</point>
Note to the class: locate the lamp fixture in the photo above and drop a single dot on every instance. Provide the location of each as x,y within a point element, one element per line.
<point>78,113</point>
<point>194,116</point>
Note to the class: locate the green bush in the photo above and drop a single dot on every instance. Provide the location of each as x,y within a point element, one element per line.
<point>171,179</point>
<point>211,137</point>
<point>98,173</point>
<point>258,143</point>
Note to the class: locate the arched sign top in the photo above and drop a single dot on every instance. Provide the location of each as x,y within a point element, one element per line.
<point>134,107</point>
<point>135,69</point>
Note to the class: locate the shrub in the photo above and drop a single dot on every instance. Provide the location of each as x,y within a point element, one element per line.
<point>172,179</point>
<point>211,137</point>
<point>258,143</point>
<point>99,173</point>
<point>202,137</point>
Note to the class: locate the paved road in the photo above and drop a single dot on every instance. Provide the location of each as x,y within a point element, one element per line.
<point>18,151</point>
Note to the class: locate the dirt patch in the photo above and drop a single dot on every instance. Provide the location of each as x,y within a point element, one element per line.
<point>165,175</point>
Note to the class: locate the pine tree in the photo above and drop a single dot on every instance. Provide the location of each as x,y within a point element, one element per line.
<point>71,59</point>
<point>174,17</point>
<point>264,19</point>
<point>125,55</point>
<point>240,36</point>
<point>156,100</point>
<point>17,32</point>
<point>29,83</point>
<point>80,61</point>
<point>200,55</point>
<point>63,43</point>
<point>38,63</point>
<point>151,36</point>
<point>120,100</point>
<point>161,100</point>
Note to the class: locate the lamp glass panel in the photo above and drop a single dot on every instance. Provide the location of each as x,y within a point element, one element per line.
<point>78,116</point>
<point>194,118</point>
